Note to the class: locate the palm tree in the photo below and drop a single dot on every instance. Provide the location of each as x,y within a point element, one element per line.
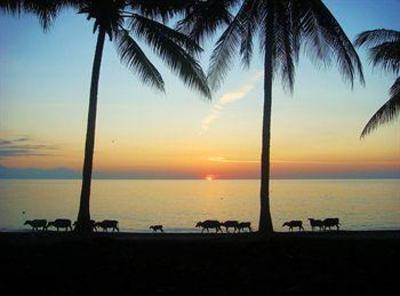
<point>124,22</point>
<point>384,51</point>
<point>283,27</point>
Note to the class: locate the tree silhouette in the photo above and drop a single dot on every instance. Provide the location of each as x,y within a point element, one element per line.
<point>283,28</point>
<point>384,51</point>
<point>124,22</point>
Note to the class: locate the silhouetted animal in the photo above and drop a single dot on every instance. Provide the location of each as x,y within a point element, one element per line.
<point>60,223</point>
<point>330,222</point>
<point>157,227</point>
<point>207,224</point>
<point>294,223</point>
<point>91,222</point>
<point>105,224</point>
<point>244,225</point>
<point>316,223</point>
<point>36,224</point>
<point>230,224</point>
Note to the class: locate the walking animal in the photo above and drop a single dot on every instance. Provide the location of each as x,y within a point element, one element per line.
<point>207,224</point>
<point>331,222</point>
<point>316,223</point>
<point>60,223</point>
<point>244,225</point>
<point>105,224</point>
<point>294,223</point>
<point>36,224</point>
<point>231,224</point>
<point>156,227</point>
<point>91,223</point>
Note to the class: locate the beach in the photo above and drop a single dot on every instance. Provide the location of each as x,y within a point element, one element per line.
<point>348,263</point>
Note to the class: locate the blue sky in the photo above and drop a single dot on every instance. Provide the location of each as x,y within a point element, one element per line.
<point>44,88</point>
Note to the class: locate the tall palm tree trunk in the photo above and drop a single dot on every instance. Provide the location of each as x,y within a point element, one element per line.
<point>83,224</point>
<point>265,223</point>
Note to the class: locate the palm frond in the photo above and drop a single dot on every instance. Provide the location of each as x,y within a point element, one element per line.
<point>222,55</point>
<point>169,48</point>
<point>203,18</point>
<point>249,30</point>
<point>307,34</point>
<point>384,48</point>
<point>160,10</point>
<point>340,46</point>
<point>226,46</point>
<point>285,49</point>
<point>139,23</point>
<point>12,6</point>
<point>333,35</point>
<point>375,37</point>
<point>387,55</point>
<point>46,10</point>
<point>135,59</point>
<point>388,112</point>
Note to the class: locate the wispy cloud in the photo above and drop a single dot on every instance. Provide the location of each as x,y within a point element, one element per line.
<point>23,146</point>
<point>223,159</point>
<point>228,98</point>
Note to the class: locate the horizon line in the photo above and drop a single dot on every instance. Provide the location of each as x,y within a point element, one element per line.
<point>217,179</point>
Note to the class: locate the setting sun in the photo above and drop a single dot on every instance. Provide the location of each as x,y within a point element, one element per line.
<point>210,177</point>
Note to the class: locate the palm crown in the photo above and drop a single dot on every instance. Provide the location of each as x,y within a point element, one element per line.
<point>384,51</point>
<point>288,26</point>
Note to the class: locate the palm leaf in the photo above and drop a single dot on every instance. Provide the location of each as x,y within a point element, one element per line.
<point>142,23</point>
<point>203,18</point>
<point>387,55</point>
<point>168,47</point>
<point>307,34</point>
<point>160,10</point>
<point>135,59</point>
<point>46,10</point>
<point>227,44</point>
<point>375,37</point>
<point>333,35</point>
<point>285,49</point>
<point>248,20</point>
<point>388,112</point>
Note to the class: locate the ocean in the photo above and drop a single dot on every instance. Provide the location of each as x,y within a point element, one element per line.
<point>179,204</point>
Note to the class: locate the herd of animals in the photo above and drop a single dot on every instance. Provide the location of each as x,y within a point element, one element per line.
<point>66,224</point>
<point>236,226</point>
<point>321,224</point>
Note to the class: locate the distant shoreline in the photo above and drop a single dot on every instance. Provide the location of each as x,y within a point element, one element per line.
<point>202,179</point>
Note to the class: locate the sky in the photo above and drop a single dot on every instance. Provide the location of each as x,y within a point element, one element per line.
<point>142,133</point>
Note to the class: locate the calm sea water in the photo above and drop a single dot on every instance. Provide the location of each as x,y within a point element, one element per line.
<point>179,204</point>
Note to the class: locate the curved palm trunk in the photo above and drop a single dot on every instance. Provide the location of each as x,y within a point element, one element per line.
<point>83,225</point>
<point>265,223</point>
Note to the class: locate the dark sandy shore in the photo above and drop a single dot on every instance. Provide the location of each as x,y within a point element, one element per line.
<point>344,263</point>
